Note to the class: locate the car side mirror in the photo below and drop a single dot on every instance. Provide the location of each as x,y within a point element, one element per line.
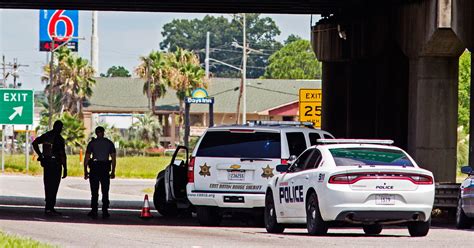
<point>282,168</point>
<point>292,159</point>
<point>178,162</point>
<point>466,170</point>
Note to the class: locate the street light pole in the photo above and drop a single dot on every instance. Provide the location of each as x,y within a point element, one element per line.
<point>244,73</point>
<point>206,61</point>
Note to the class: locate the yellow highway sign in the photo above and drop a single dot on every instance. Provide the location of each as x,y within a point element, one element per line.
<point>311,106</point>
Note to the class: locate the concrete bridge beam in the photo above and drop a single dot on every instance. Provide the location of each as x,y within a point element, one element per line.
<point>394,74</point>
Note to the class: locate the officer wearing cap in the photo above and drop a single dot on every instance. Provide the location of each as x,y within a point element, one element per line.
<point>52,156</point>
<point>101,170</point>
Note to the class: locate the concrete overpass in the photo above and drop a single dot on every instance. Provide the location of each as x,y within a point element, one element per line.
<point>390,67</point>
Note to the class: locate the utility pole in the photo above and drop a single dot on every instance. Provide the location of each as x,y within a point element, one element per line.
<point>244,72</point>
<point>206,61</point>
<point>95,43</point>
<point>15,74</point>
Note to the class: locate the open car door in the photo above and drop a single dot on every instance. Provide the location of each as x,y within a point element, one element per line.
<point>176,176</point>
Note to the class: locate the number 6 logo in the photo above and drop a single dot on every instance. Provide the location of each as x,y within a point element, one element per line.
<point>53,24</point>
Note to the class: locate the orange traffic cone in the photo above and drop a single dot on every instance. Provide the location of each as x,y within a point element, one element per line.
<point>146,214</point>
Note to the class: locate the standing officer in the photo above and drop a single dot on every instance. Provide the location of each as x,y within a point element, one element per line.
<point>101,149</point>
<point>52,157</point>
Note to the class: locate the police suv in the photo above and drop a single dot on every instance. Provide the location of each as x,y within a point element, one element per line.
<point>363,182</point>
<point>231,165</point>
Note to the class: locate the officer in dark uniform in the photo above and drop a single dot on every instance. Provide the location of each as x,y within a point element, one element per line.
<point>52,158</point>
<point>101,170</point>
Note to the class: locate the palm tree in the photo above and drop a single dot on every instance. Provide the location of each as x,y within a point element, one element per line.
<point>185,75</point>
<point>154,68</point>
<point>72,78</point>
<point>148,129</point>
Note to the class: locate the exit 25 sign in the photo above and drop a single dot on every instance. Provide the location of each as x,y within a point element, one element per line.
<point>16,107</point>
<point>310,101</point>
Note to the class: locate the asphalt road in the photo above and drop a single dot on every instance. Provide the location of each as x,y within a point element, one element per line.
<point>125,229</point>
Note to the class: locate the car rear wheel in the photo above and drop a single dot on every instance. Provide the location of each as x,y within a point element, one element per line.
<point>271,223</point>
<point>208,216</point>
<point>373,229</point>
<point>419,228</point>
<point>462,221</point>
<point>159,200</point>
<point>314,222</point>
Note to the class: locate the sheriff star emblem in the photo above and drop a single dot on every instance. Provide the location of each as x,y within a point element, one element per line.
<point>267,172</point>
<point>205,170</point>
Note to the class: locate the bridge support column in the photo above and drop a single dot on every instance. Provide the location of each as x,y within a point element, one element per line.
<point>432,121</point>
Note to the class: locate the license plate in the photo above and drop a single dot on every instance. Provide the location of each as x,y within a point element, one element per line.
<point>384,199</point>
<point>236,175</point>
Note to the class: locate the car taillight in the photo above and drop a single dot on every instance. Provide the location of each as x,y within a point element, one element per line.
<point>421,179</point>
<point>355,177</point>
<point>191,170</point>
<point>284,161</point>
<point>343,179</point>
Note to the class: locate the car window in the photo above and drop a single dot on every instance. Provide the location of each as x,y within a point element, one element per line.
<point>240,145</point>
<point>300,162</point>
<point>328,136</point>
<point>313,137</point>
<point>369,156</point>
<point>314,160</point>
<point>296,143</point>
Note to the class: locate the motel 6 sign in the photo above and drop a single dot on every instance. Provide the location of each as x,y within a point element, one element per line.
<point>61,24</point>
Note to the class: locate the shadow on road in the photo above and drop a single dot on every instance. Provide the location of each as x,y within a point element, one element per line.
<point>118,217</point>
<point>132,217</point>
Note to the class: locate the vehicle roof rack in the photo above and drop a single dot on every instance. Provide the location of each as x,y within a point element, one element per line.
<point>355,141</point>
<point>281,123</point>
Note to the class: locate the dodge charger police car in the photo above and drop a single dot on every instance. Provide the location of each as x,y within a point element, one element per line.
<point>363,182</point>
<point>231,165</point>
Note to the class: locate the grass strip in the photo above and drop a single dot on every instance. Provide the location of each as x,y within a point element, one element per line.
<point>8,240</point>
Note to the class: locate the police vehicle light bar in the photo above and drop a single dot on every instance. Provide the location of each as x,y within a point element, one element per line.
<point>355,141</point>
<point>276,123</point>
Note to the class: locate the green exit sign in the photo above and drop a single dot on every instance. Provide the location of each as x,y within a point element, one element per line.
<point>16,107</point>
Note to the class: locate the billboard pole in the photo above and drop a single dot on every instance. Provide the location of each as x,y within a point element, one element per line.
<point>3,148</point>
<point>51,88</point>
<point>27,149</point>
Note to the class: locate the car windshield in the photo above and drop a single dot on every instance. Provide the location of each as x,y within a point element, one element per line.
<point>240,145</point>
<point>369,156</point>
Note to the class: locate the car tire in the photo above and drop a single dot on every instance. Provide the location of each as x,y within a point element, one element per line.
<point>159,200</point>
<point>419,228</point>
<point>373,229</point>
<point>270,219</point>
<point>314,222</point>
<point>462,221</point>
<point>208,216</point>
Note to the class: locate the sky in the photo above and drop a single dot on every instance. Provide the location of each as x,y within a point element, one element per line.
<point>123,37</point>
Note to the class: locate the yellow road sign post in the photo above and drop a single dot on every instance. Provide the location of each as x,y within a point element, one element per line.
<point>311,107</point>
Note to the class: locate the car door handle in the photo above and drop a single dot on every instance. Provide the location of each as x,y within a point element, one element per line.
<point>292,181</point>
<point>306,177</point>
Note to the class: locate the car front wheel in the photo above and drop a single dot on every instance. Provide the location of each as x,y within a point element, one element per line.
<point>159,200</point>
<point>271,223</point>
<point>462,221</point>
<point>314,222</point>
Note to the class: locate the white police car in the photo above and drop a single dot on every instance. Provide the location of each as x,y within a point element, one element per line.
<point>465,210</point>
<point>363,182</point>
<point>231,165</point>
